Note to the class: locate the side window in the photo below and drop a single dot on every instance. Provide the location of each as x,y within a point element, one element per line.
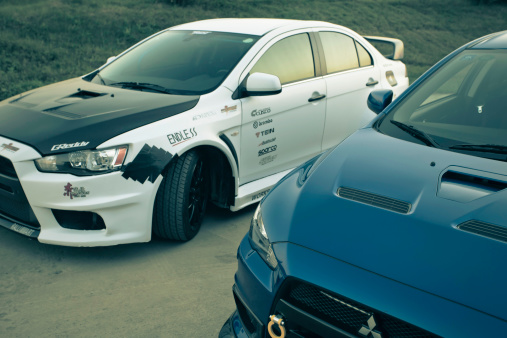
<point>364,56</point>
<point>339,51</point>
<point>290,59</point>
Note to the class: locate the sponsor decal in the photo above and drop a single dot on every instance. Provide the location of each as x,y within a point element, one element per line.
<point>258,112</point>
<point>181,136</point>
<point>9,147</point>
<point>265,132</point>
<point>267,150</point>
<point>267,159</point>
<point>236,133</point>
<point>261,123</point>
<point>148,164</point>
<point>69,145</point>
<point>74,192</point>
<point>204,115</point>
<point>228,109</point>
<point>260,195</point>
<point>22,230</point>
<point>267,141</point>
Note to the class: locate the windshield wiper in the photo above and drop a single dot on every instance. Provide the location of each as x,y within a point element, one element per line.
<point>418,134</point>
<point>142,85</point>
<point>482,148</point>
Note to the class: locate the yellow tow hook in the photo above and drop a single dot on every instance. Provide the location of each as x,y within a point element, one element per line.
<point>278,320</point>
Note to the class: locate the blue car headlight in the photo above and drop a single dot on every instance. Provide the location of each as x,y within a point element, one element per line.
<point>84,162</point>
<point>260,241</point>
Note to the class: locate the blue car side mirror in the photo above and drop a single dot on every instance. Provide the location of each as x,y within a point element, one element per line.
<point>378,100</point>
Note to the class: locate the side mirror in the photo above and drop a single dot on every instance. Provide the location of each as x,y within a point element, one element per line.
<point>378,100</point>
<point>261,84</point>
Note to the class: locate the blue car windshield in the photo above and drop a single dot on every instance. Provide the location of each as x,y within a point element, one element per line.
<point>461,107</point>
<point>178,62</point>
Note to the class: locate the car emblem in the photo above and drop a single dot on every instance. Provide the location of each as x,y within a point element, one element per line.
<point>479,109</point>
<point>368,330</point>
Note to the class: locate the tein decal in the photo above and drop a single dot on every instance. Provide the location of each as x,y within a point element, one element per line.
<point>181,136</point>
<point>74,192</point>
<point>147,165</point>
<point>265,132</point>
<point>9,147</point>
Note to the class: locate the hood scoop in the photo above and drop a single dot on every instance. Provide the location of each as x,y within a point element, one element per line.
<point>379,201</point>
<point>461,186</point>
<point>489,230</point>
<point>80,95</point>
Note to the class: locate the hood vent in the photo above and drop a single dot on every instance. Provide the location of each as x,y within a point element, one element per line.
<point>485,229</point>
<point>374,199</point>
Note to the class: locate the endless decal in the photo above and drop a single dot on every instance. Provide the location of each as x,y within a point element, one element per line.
<point>181,136</point>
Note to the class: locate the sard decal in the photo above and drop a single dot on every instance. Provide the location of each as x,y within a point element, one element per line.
<point>261,123</point>
<point>267,141</point>
<point>204,115</point>
<point>181,136</point>
<point>69,145</point>
<point>228,109</point>
<point>9,147</point>
<point>265,132</point>
<point>74,192</point>
<point>267,159</point>
<point>267,150</point>
<point>259,195</point>
<point>147,165</point>
<point>258,112</point>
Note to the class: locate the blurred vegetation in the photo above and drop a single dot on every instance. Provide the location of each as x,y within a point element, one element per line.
<point>44,41</point>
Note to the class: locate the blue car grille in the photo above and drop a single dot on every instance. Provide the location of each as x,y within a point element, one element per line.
<point>346,315</point>
<point>374,199</point>
<point>485,229</point>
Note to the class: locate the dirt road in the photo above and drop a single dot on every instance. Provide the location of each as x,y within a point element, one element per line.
<point>155,289</point>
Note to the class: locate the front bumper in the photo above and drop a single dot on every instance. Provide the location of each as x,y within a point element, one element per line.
<point>122,209</point>
<point>261,292</point>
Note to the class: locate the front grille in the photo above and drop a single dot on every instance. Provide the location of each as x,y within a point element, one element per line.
<point>485,229</point>
<point>348,316</point>
<point>13,203</point>
<point>374,199</point>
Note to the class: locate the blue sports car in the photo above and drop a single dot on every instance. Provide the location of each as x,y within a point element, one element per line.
<point>399,231</point>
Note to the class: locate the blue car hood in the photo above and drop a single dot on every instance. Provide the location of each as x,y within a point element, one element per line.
<point>422,248</point>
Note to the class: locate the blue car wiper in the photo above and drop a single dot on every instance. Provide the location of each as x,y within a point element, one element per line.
<point>418,134</point>
<point>142,85</point>
<point>482,148</point>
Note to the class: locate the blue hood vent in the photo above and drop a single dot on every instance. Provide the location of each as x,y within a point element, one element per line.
<point>485,229</point>
<point>374,200</point>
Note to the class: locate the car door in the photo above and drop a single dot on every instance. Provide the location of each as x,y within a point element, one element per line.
<point>350,75</point>
<point>280,131</point>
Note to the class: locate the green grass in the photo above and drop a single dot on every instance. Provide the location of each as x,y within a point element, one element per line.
<point>45,41</point>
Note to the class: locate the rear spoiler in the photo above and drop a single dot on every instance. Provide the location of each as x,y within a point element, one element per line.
<point>391,48</point>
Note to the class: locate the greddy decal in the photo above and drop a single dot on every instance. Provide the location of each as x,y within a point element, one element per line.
<point>181,136</point>
<point>227,109</point>
<point>267,141</point>
<point>259,195</point>
<point>68,145</point>
<point>74,192</point>
<point>265,132</point>
<point>267,159</point>
<point>147,165</point>
<point>258,112</point>
<point>9,147</point>
<point>267,150</point>
<point>261,123</point>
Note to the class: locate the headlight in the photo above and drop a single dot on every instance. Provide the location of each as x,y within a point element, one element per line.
<point>84,162</point>
<point>259,240</point>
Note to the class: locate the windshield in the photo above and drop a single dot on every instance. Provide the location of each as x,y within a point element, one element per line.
<point>178,62</point>
<point>461,107</point>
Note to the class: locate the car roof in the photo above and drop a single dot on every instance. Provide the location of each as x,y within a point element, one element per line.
<point>493,41</point>
<point>250,26</point>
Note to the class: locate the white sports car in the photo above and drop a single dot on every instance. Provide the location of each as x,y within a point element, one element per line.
<point>216,110</point>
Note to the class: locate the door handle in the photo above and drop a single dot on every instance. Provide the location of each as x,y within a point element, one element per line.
<point>371,82</point>
<point>316,98</point>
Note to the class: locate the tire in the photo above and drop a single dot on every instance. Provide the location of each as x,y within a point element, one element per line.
<point>181,198</point>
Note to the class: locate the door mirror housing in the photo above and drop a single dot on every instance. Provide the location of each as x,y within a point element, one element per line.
<point>378,100</point>
<point>110,59</point>
<point>261,84</point>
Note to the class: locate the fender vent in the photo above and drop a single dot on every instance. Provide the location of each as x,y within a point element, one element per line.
<point>374,199</point>
<point>485,229</point>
